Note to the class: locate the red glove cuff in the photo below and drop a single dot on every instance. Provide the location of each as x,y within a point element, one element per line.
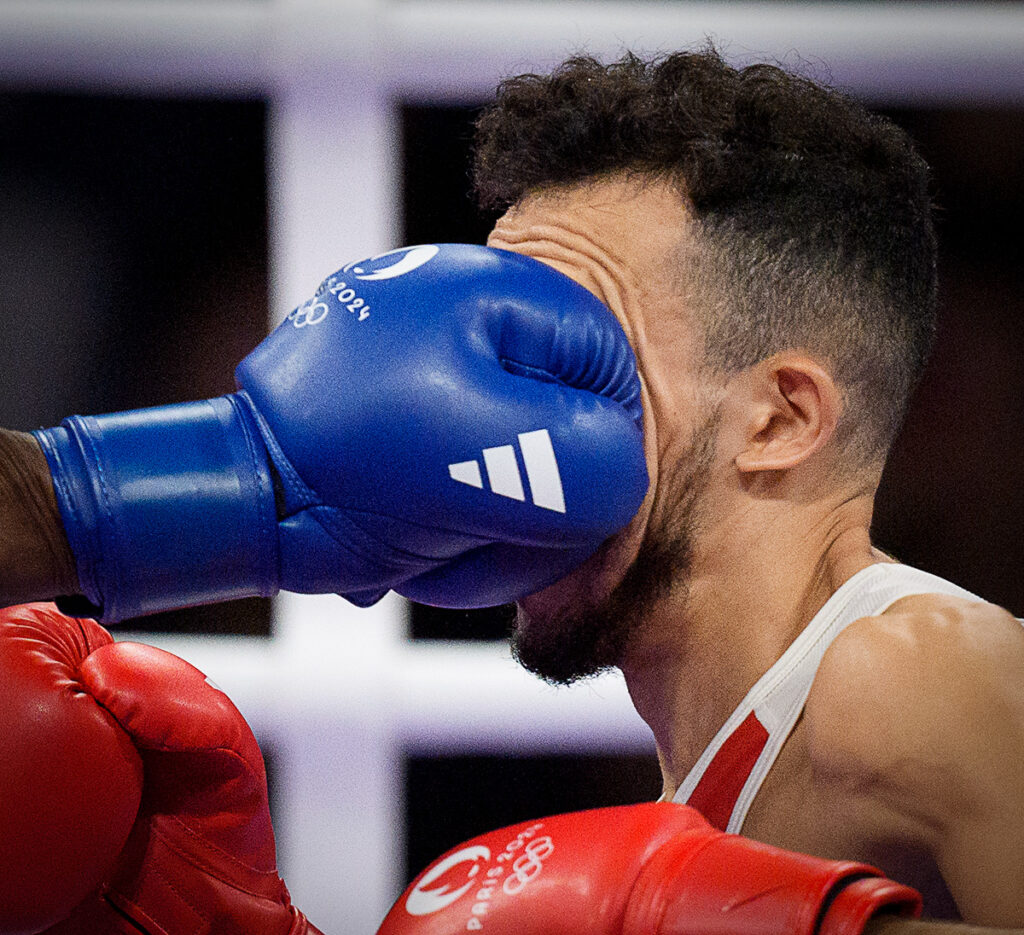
<point>730,885</point>
<point>865,898</point>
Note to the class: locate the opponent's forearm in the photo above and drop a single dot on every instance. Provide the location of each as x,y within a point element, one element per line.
<point>890,925</point>
<point>35,560</point>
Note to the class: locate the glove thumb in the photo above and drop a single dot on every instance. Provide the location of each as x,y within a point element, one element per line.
<point>202,762</point>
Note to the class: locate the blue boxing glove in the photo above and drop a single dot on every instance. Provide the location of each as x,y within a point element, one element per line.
<point>457,423</point>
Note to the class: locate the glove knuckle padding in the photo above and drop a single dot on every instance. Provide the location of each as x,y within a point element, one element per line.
<point>164,702</point>
<point>210,763</point>
<point>202,854</point>
<point>586,351</point>
<point>70,776</point>
<point>463,354</point>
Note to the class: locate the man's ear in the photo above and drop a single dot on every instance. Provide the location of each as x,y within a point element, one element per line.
<point>796,407</point>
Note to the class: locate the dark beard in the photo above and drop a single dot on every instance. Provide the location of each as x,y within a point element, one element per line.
<point>589,638</point>
<point>580,642</point>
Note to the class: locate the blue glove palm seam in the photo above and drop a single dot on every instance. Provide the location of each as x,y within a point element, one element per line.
<point>326,517</point>
<point>328,521</point>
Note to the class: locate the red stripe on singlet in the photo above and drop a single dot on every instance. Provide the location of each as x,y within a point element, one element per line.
<point>720,786</point>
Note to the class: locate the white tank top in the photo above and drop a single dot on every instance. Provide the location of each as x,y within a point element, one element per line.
<point>724,781</point>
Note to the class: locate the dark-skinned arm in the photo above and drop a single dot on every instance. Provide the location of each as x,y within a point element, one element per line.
<point>35,560</point>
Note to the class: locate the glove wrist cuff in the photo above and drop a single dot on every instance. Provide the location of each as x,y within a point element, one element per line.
<point>723,884</point>
<point>861,900</point>
<point>165,507</point>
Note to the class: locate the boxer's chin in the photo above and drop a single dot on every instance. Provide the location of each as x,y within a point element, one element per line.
<point>579,626</point>
<point>589,585</point>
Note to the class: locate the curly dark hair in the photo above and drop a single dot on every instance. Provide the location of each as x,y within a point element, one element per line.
<point>812,217</point>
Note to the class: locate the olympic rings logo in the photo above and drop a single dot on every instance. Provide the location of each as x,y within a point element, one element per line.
<point>528,864</point>
<point>309,314</point>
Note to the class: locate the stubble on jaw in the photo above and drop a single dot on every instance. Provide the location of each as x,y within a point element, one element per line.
<point>588,636</point>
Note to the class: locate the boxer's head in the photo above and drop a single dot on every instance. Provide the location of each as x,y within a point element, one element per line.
<point>767,245</point>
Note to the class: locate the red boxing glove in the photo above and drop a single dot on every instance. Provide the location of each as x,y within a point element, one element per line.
<point>199,859</point>
<point>70,779</point>
<point>654,869</point>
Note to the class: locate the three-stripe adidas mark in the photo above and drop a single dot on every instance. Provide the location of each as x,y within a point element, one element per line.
<point>503,471</point>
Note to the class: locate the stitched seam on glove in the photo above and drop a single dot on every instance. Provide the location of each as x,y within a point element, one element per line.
<point>132,908</point>
<point>300,489</point>
<point>266,513</point>
<point>208,867</point>
<point>368,550</point>
<point>609,388</point>
<point>328,518</point>
<point>612,384</point>
<point>337,524</point>
<point>519,369</point>
<point>87,572</point>
<point>108,568</point>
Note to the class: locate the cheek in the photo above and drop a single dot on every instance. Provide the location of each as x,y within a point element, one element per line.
<point>652,453</point>
<point>609,566</point>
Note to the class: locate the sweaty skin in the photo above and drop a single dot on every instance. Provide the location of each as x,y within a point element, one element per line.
<point>910,751</point>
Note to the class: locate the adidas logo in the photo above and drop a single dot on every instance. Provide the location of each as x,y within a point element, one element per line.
<point>503,471</point>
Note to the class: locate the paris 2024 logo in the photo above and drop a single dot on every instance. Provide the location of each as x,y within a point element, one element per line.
<point>470,871</point>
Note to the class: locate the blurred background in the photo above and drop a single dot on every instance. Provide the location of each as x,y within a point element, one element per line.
<point>175,176</point>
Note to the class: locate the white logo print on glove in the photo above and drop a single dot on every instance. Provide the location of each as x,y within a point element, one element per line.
<point>316,309</point>
<point>503,471</point>
<point>430,897</point>
<point>408,259</point>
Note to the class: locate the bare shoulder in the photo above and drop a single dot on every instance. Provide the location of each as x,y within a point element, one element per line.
<point>916,717</point>
<point>923,705</point>
<point>923,645</point>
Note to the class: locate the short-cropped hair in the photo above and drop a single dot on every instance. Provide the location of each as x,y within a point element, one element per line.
<point>812,221</point>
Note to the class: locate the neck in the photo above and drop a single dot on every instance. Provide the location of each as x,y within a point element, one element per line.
<point>759,576</point>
